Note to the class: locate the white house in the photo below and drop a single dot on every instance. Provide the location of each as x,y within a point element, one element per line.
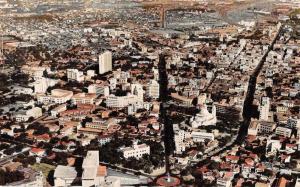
<point>136,150</point>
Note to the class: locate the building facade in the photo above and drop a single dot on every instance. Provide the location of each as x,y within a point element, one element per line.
<point>105,62</point>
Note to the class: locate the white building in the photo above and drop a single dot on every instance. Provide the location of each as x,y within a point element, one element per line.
<point>25,115</point>
<point>153,89</point>
<point>297,182</point>
<point>74,74</point>
<point>113,101</point>
<point>180,137</point>
<point>272,146</point>
<point>42,84</point>
<point>58,96</point>
<point>98,89</point>
<point>93,174</point>
<point>104,139</point>
<point>90,73</point>
<point>58,109</point>
<point>253,128</point>
<point>293,122</point>
<point>105,62</point>
<point>202,136</point>
<point>283,131</point>
<point>137,89</point>
<point>112,83</point>
<point>64,176</point>
<point>83,98</point>
<point>204,118</point>
<point>264,127</point>
<point>224,182</point>
<point>136,151</point>
<point>202,99</point>
<point>90,167</point>
<point>38,180</point>
<point>264,109</point>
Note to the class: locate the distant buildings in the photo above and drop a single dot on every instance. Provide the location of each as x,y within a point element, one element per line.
<point>105,62</point>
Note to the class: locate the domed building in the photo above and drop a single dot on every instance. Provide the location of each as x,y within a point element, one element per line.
<point>204,118</point>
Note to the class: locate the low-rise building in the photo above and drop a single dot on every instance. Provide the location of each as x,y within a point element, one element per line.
<point>74,74</point>
<point>181,99</point>
<point>58,96</point>
<point>136,151</point>
<point>54,112</point>
<point>283,131</point>
<point>121,101</point>
<point>266,127</point>
<point>64,176</point>
<point>98,89</point>
<point>26,115</point>
<point>83,98</point>
<point>202,136</point>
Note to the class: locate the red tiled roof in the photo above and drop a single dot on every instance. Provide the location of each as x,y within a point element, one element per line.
<point>231,157</point>
<point>37,150</point>
<point>282,182</point>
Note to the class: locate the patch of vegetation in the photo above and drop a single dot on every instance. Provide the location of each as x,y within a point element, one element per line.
<point>44,168</point>
<point>294,13</point>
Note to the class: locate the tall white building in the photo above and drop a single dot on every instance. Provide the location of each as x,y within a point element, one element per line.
<point>105,62</point>
<point>90,167</point>
<point>153,89</point>
<point>264,109</point>
<point>74,74</point>
<point>64,176</point>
